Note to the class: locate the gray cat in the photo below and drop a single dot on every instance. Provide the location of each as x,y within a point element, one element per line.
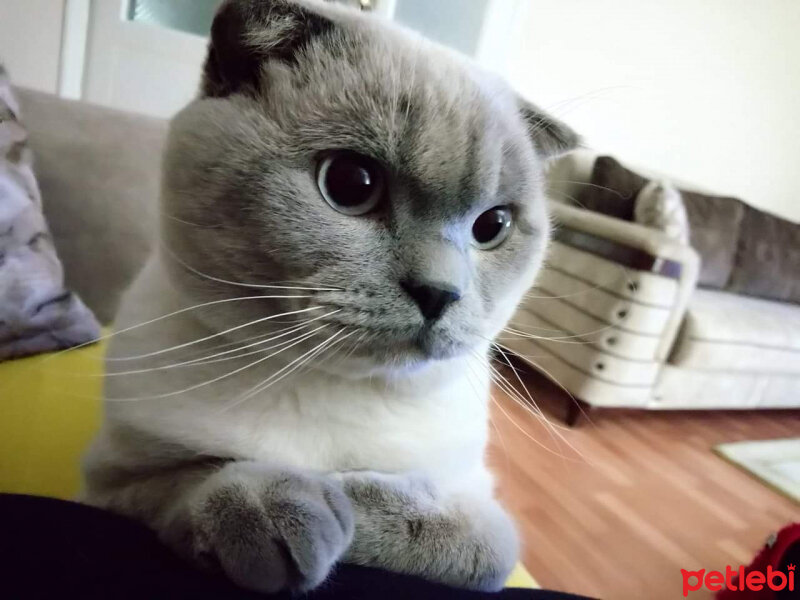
<point>369,208</point>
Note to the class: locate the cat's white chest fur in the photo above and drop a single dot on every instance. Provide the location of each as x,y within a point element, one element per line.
<point>335,425</point>
<point>434,421</point>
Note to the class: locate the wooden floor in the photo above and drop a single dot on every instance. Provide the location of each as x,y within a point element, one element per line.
<point>626,501</point>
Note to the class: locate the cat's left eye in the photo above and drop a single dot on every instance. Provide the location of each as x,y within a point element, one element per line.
<point>351,183</point>
<point>492,228</point>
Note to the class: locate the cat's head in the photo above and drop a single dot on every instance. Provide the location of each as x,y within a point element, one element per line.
<point>330,149</point>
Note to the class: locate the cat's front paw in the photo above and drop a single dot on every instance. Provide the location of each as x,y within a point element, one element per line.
<point>271,529</point>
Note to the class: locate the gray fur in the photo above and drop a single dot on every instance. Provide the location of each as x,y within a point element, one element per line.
<point>271,529</point>
<point>454,139</point>
<point>403,524</point>
<point>285,82</point>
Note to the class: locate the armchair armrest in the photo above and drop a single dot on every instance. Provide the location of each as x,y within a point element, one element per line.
<point>606,308</point>
<point>624,233</point>
<point>635,248</point>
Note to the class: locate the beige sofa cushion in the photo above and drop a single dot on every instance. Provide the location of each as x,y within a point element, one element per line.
<point>728,332</point>
<point>98,170</point>
<point>682,388</point>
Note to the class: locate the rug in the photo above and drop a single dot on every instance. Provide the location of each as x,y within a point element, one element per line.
<point>775,462</point>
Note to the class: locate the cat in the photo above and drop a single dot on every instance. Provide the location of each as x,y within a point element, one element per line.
<point>372,204</point>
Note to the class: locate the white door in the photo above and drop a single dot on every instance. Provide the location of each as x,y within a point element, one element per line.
<point>146,55</point>
<point>135,63</point>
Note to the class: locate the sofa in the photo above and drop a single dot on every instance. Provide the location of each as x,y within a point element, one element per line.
<point>617,318</point>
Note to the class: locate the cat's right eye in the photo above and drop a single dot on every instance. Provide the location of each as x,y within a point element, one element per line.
<point>351,183</point>
<point>492,228</point>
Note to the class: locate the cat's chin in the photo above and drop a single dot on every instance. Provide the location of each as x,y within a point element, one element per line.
<point>398,357</point>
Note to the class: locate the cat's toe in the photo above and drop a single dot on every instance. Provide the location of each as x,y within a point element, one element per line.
<point>274,531</point>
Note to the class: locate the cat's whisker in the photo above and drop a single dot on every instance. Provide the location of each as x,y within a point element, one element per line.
<point>568,339</point>
<point>243,344</point>
<point>499,407</point>
<point>281,374</point>
<point>587,184</point>
<point>166,215</point>
<point>553,427</point>
<point>514,330</point>
<point>590,95</point>
<point>199,273</point>
<point>330,351</point>
<point>531,336</point>
<point>215,379</point>
<point>354,345</point>
<point>114,334</point>
<point>625,277</point>
<point>499,434</point>
<point>575,201</point>
<point>530,403</point>
<point>521,403</point>
<point>479,397</point>
<point>212,336</point>
<point>239,343</point>
<point>502,382</point>
<point>308,364</point>
<point>528,359</point>
<point>214,358</point>
<point>546,329</point>
<point>531,408</point>
<point>568,105</point>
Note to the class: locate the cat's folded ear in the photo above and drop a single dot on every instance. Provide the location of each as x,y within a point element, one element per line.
<point>551,137</point>
<point>246,33</point>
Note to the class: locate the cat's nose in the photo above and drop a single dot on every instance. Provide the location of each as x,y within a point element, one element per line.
<point>432,298</point>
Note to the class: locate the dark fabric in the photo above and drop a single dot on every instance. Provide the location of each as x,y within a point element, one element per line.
<point>781,551</point>
<point>54,549</point>
<point>613,191</point>
<point>767,262</point>
<point>714,224</point>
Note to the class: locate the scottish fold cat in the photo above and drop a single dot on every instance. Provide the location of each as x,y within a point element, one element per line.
<point>350,215</point>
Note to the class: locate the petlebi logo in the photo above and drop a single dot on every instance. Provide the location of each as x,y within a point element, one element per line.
<point>738,580</point>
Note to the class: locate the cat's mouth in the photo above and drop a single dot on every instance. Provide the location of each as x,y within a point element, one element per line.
<point>387,347</point>
<point>437,344</point>
<point>384,344</point>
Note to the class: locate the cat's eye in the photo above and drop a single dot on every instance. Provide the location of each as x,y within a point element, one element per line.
<point>492,228</point>
<point>351,183</point>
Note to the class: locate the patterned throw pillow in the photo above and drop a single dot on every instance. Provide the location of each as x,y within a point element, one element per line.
<point>36,313</point>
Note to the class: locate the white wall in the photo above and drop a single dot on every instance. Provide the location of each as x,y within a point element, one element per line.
<point>30,41</point>
<point>706,91</point>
